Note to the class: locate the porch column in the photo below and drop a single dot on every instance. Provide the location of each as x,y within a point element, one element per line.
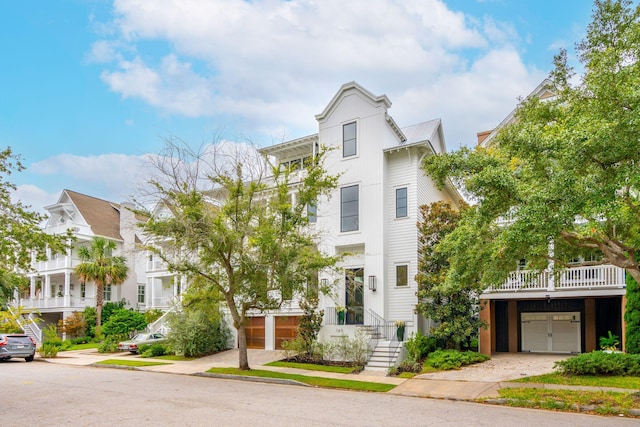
<point>67,289</point>
<point>47,286</point>
<point>485,341</point>
<point>32,288</point>
<point>623,338</point>
<point>150,298</point>
<point>589,324</point>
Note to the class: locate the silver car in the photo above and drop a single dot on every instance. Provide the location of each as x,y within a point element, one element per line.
<point>17,345</point>
<point>134,343</point>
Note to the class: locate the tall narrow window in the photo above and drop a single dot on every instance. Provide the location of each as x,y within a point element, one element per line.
<point>141,294</point>
<point>354,295</point>
<point>402,275</point>
<point>83,290</point>
<point>349,207</point>
<point>312,212</point>
<point>401,202</point>
<point>107,292</point>
<point>349,140</point>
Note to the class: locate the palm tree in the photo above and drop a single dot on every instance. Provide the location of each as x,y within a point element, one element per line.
<point>102,268</point>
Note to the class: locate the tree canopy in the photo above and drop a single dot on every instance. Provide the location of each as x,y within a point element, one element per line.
<point>236,231</point>
<point>564,175</point>
<point>20,232</point>
<point>101,267</point>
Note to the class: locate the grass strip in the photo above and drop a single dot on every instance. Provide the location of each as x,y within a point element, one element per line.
<point>85,346</point>
<point>599,402</point>
<point>312,367</point>
<point>314,381</point>
<point>121,362</point>
<point>173,357</point>
<point>586,380</point>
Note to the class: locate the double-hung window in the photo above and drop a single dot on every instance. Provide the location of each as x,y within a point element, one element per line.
<point>349,208</point>
<point>401,202</point>
<point>349,140</point>
<point>402,275</point>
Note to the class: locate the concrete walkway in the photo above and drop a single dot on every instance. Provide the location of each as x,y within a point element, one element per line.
<point>470,383</point>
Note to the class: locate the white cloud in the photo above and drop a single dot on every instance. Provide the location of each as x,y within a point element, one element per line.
<point>275,63</point>
<point>33,196</point>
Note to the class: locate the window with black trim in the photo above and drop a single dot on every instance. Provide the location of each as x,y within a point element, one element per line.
<point>107,293</point>
<point>141,289</point>
<point>349,140</point>
<point>402,275</point>
<point>312,212</point>
<point>401,202</point>
<point>349,208</point>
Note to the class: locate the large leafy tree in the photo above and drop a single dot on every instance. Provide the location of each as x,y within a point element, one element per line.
<point>566,172</point>
<point>101,267</point>
<point>452,305</point>
<point>20,232</point>
<point>238,234</point>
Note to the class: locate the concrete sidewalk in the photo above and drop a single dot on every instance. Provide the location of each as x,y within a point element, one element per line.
<point>470,383</point>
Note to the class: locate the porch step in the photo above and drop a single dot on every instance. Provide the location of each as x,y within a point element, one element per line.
<point>384,356</point>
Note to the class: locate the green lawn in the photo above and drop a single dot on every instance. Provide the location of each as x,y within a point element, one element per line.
<point>315,381</point>
<point>588,380</point>
<point>312,367</point>
<point>82,346</point>
<point>122,362</point>
<point>604,403</point>
<point>173,357</point>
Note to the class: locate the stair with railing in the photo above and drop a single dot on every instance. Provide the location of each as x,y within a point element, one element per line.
<point>160,326</point>
<point>28,326</point>
<point>383,343</point>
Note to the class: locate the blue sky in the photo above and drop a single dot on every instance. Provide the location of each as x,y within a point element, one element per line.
<point>88,87</point>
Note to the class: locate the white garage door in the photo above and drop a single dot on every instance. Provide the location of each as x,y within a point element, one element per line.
<point>551,332</point>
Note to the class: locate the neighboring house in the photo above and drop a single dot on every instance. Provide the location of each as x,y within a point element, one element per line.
<point>551,313</point>
<point>370,218</point>
<point>55,291</point>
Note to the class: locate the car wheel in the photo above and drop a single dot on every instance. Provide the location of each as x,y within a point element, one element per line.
<point>29,359</point>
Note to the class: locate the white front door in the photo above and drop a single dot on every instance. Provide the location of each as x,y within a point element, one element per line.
<point>551,332</point>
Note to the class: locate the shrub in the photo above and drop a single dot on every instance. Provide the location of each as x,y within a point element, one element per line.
<point>48,350</point>
<point>9,323</point>
<point>354,350</point>
<point>73,325</point>
<point>81,340</point>
<point>153,350</point>
<point>111,307</point>
<point>124,322</point>
<point>110,343</point>
<point>600,363</point>
<point>453,359</point>
<point>152,314</point>
<point>89,314</point>
<point>419,346</point>
<point>194,333</point>
<point>50,333</point>
<point>408,366</point>
<point>632,317</point>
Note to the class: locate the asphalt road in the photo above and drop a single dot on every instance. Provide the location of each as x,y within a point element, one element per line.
<point>47,394</point>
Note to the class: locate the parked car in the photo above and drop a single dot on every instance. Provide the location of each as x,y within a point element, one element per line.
<point>141,339</point>
<point>17,345</point>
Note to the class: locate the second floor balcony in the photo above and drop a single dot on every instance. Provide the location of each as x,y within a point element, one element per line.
<point>575,278</point>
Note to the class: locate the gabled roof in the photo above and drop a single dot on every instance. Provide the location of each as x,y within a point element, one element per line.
<point>102,216</point>
<point>543,91</point>
<point>352,86</point>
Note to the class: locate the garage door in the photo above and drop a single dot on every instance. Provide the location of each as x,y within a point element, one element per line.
<point>286,328</point>
<point>551,332</point>
<point>255,332</point>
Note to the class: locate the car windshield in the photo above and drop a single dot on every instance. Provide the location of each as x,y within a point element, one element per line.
<point>140,337</point>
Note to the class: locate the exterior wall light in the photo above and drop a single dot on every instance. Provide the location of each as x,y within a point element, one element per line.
<point>372,283</point>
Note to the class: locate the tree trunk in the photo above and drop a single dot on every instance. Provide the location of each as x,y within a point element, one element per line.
<point>243,359</point>
<point>635,273</point>
<point>99,303</point>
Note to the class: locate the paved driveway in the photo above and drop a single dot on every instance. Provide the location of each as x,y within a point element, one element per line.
<point>501,367</point>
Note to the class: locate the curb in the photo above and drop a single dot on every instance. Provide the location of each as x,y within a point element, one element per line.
<point>280,381</point>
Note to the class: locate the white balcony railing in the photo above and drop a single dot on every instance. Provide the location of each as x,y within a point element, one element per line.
<point>57,302</point>
<point>592,277</point>
<point>54,264</point>
<point>156,265</point>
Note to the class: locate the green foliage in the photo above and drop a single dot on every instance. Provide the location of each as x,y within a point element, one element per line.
<point>601,363</point>
<point>50,335</point>
<point>110,343</point>
<point>112,307</point>
<point>195,333</point>
<point>632,317</point>
<point>152,314</point>
<point>153,350</point>
<point>9,322</point>
<point>102,268</point>
<point>572,156</point>
<point>309,326</point>
<point>90,314</point>
<point>452,304</point>
<point>81,340</point>
<point>610,342</point>
<point>419,346</point>
<point>245,247</point>
<point>452,359</point>
<point>354,350</point>
<point>48,350</point>
<point>22,237</point>
<point>124,322</point>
